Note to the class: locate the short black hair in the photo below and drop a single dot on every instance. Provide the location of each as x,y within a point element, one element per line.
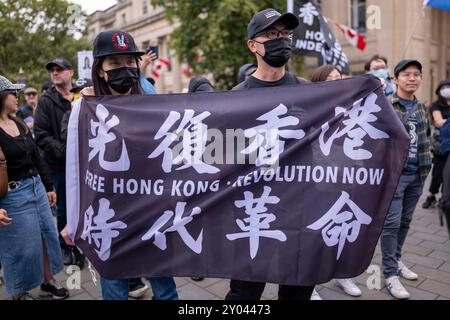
<point>374,58</point>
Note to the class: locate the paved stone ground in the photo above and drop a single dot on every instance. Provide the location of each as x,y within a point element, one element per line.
<point>426,252</point>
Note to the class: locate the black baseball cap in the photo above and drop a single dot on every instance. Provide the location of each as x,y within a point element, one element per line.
<point>60,62</point>
<point>115,42</point>
<point>404,64</point>
<point>264,19</point>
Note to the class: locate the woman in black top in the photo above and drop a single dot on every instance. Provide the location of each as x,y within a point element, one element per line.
<point>440,112</point>
<point>29,249</point>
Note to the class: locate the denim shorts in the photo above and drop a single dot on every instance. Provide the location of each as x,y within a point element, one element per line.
<point>21,253</point>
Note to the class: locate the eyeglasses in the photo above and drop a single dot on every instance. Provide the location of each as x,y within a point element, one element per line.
<point>31,94</point>
<point>273,34</point>
<point>416,75</point>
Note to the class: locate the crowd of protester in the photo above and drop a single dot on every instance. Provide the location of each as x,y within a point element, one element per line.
<point>33,248</point>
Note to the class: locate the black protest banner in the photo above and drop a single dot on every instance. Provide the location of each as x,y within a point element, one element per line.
<point>314,37</point>
<point>285,185</point>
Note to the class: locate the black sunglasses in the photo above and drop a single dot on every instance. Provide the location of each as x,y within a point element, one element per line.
<point>14,93</point>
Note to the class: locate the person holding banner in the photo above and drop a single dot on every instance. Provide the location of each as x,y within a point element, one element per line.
<point>115,71</point>
<point>378,66</point>
<point>269,38</point>
<point>413,115</point>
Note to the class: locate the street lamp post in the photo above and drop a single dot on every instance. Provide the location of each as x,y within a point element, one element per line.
<point>21,77</point>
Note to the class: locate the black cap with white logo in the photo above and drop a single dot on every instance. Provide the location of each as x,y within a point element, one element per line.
<point>80,84</point>
<point>115,42</point>
<point>59,62</point>
<point>264,19</point>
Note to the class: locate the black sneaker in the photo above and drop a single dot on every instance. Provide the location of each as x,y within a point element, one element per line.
<point>430,202</point>
<point>53,289</point>
<point>67,256</point>
<point>78,258</point>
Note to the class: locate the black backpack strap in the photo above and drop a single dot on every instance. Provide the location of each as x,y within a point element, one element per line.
<point>408,114</point>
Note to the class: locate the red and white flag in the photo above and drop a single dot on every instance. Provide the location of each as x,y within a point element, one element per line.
<point>159,67</point>
<point>353,37</point>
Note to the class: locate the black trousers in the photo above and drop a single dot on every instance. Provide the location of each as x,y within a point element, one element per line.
<point>246,290</point>
<point>437,174</point>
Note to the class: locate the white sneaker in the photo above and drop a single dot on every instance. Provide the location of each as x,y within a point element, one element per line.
<point>406,273</point>
<point>315,295</point>
<point>396,289</point>
<point>348,286</point>
<point>138,291</point>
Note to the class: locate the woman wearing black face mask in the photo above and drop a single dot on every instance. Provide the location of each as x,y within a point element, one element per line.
<point>115,71</point>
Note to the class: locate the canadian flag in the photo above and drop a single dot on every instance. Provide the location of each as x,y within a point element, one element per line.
<point>353,37</point>
<point>159,67</point>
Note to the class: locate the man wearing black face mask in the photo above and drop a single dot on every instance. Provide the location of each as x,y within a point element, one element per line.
<point>269,39</point>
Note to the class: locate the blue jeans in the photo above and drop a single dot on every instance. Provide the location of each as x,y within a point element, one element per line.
<point>163,288</point>
<point>398,219</point>
<point>59,181</point>
<point>21,243</point>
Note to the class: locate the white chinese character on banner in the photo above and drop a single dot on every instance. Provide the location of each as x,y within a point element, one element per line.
<point>101,131</point>
<point>341,226</point>
<point>257,224</point>
<point>267,136</point>
<point>335,56</point>
<point>308,12</point>
<point>357,126</point>
<point>100,230</point>
<point>195,135</point>
<point>178,225</point>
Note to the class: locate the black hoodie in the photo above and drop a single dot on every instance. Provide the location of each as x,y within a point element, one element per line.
<point>47,128</point>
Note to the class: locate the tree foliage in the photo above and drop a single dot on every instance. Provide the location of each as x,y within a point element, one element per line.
<point>212,34</point>
<point>33,32</point>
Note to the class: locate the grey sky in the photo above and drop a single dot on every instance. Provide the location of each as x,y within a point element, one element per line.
<point>92,5</point>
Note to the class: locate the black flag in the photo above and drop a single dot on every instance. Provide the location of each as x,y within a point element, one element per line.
<point>152,195</point>
<point>314,37</point>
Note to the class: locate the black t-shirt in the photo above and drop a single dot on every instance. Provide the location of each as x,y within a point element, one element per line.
<point>253,83</point>
<point>22,157</point>
<point>440,106</point>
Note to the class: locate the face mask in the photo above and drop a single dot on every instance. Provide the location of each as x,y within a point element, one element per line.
<point>122,80</point>
<point>278,52</point>
<point>381,73</point>
<point>445,93</point>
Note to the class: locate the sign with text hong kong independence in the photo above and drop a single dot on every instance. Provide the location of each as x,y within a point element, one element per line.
<point>287,185</point>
